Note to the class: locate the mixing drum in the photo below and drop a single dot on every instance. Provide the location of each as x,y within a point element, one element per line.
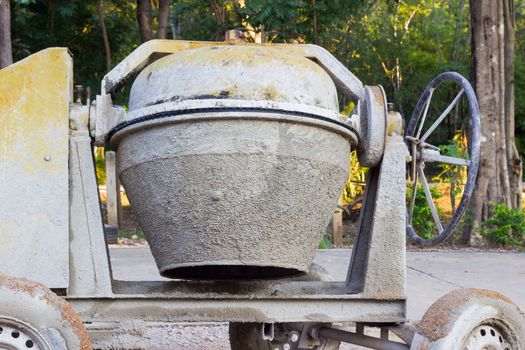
<point>233,158</point>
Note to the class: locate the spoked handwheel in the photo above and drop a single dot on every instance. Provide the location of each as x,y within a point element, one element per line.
<point>424,153</point>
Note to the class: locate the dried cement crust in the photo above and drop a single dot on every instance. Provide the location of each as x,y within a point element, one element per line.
<point>442,316</point>
<point>233,198</point>
<point>38,306</point>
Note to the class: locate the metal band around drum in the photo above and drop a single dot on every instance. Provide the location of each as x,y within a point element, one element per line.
<point>169,114</point>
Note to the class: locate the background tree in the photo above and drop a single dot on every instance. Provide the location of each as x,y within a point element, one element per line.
<point>145,18</point>
<point>75,24</point>
<point>514,160</point>
<point>164,11</point>
<point>6,55</point>
<point>400,44</point>
<point>499,178</point>
<point>105,38</point>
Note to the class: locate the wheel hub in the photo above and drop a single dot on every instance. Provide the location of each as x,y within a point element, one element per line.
<point>486,337</point>
<point>16,335</point>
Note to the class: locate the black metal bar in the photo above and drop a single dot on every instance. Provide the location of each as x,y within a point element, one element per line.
<point>359,260</point>
<point>361,340</point>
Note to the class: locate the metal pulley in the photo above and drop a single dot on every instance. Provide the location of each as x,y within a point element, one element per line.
<point>372,123</point>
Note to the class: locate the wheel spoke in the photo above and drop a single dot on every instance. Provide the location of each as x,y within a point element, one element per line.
<point>428,195</point>
<point>428,145</point>
<point>434,157</point>
<point>424,113</point>
<point>413,175</point>
<point>442,116</point>
<point>413,164</point>
<point>412,200</point>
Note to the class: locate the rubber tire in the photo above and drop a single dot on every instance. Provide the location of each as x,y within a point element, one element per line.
<point>450,320</point>
<point>40,308</point>
<point>246,336</point>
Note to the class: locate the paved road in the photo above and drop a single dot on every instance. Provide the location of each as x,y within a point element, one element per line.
<point>430,275</point>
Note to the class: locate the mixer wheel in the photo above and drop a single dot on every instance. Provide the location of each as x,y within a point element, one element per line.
<point>248,336</point>
<point>471,319</point>
<point>33,317</point>
<point>460,163</point>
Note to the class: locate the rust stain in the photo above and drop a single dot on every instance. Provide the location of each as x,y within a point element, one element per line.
<point>35,289</point>
<point>439,318</point>
<point>29,124</point>
<point>270,93</point>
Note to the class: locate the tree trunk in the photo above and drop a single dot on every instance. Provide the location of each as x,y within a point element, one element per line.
<point>174,28</point>
<point>219,10</point>
<point>51,17</point>
<point>514,160</point>
<point>314,23</point>
<point>489,77</point>
<point>105,37</point>
<point>6,54</point>
<point>164,11</point>
<point>144,19</point>
<point>456,56</point>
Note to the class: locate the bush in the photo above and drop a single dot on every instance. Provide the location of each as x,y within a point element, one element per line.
<point>506,226</point>
<point>325,243</point>
<point>422,220</point>
<point>100,168</point>
<point>355,185</point>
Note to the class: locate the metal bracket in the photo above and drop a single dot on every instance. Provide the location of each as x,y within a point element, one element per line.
<point>103,116</point>
<point>268,331</point>
<point>361,339</point>
<point>152,50</point>
<point>374,270</point>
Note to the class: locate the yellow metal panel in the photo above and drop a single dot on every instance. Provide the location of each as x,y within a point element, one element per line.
<point>34,131</point>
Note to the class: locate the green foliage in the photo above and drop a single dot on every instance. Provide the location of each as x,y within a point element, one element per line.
<point>506,226</point>
<point>325,243</point>
<point>355,185</point>
<point>100,168</point>
<point>451,174</point>
<point>205,19</point>
<point>37,25</point>
<point>280,18</point>
<point>300,21</point>
<point>422,220</point>
<point>137,235</point>
<point>401,44</point>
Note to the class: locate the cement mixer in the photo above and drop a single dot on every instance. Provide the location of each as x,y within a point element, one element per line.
<point>233,157</point>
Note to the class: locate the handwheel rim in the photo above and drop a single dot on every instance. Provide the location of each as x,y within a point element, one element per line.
<point>475,144</point>
<point>18,335</point>
<point>486,337</point>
